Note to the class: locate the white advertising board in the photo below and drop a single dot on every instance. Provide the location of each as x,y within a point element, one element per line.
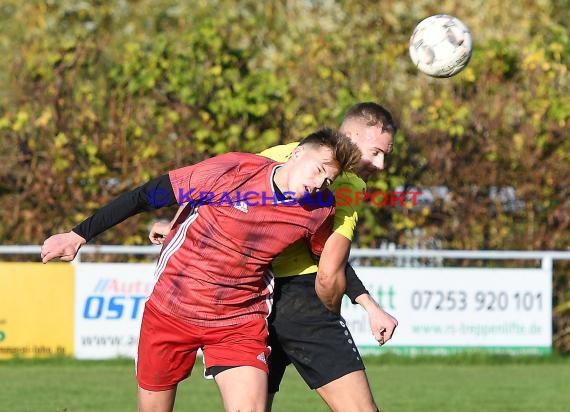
<point>439,310</point>
<point>449,309</point>
<point>109,302</point>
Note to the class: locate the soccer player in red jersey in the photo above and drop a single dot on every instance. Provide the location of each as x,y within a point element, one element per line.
<point>213,289</point>
<point>305,326</point>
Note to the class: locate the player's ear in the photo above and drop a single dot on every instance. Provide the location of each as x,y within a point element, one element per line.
<point>297,151</point>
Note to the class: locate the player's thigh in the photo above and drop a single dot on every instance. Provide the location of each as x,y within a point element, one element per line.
<point>243,388</point>
<point>350,392</point>
<point>237,345</point>
<point>322,350</point>
<point>241,351</point>
<point>316,340</point>
<point>166,352</point>
<point>153,401</point>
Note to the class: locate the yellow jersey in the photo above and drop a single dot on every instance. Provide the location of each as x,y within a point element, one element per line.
<point>296,259</point>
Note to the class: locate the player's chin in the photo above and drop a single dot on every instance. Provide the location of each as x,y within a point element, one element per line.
<point>300,192</point>
<point>365,172</point>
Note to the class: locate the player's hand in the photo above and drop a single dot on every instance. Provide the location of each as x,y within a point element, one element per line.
<point>158,232</point>
<point>63,246</point>
<point>382,325</point>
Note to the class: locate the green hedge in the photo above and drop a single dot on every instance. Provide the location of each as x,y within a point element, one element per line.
<point>98,96</point>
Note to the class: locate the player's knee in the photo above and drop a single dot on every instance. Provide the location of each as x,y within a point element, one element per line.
<point>254,405</point>
<point>245,402</point>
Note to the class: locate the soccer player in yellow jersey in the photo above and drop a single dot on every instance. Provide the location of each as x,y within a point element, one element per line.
<point>305,326</point>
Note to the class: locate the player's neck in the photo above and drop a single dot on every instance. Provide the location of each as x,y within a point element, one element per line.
<point>280,178</point>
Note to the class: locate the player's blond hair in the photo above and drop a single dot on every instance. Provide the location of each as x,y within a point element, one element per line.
<point>346,154</point>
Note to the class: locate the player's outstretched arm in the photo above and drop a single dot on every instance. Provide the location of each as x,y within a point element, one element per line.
<point>66,245</point>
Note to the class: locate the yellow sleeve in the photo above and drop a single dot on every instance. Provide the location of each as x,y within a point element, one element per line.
<point>345,189</point>
<point>280,153</point>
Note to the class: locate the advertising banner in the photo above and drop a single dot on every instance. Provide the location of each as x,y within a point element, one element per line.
<point>109,302</point>
<point>450,309</point>
<point>439,310</point>
<point>36,310</point>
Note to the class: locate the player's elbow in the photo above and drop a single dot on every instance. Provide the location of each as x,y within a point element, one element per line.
<point>331,280</point>
<point>325,280</point>
<point>330,286</point>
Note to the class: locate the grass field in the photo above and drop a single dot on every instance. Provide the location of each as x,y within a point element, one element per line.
<point>399,384</point>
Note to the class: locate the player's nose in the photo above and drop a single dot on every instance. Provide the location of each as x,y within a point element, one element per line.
<point>379,163</point>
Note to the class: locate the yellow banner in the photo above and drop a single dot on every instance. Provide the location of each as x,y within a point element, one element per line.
<point>36,310</point>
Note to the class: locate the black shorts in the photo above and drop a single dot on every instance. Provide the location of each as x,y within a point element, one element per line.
<point>304,332</point>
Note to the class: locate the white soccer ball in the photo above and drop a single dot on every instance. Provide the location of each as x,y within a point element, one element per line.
<point>441,45</point>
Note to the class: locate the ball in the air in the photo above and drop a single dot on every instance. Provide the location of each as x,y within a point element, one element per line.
<point>441,45</point>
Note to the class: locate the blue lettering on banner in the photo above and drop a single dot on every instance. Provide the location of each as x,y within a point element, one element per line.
<point>113,307</point>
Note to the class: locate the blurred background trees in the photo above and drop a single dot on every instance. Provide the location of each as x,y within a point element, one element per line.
<point>98,96</point>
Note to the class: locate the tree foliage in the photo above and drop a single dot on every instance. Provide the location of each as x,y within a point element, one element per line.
<point>96,97</point>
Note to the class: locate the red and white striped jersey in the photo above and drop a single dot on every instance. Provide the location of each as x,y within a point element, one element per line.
<point>213,267</point>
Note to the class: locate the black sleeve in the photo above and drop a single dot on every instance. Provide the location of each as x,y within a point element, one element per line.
<point>154,194</point>
<point>354,286</point>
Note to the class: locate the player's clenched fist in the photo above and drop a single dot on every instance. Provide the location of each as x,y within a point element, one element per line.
<point>158,232</point>
<point>63,246</point>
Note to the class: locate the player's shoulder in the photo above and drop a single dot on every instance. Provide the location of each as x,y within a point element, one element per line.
<point>242,160</point>
<point>280,153</point>
<point>348,181</point>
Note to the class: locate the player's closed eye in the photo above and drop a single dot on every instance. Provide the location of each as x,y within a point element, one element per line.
<point>327,182</point>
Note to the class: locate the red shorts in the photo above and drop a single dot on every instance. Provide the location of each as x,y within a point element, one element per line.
<point>168,346</point>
